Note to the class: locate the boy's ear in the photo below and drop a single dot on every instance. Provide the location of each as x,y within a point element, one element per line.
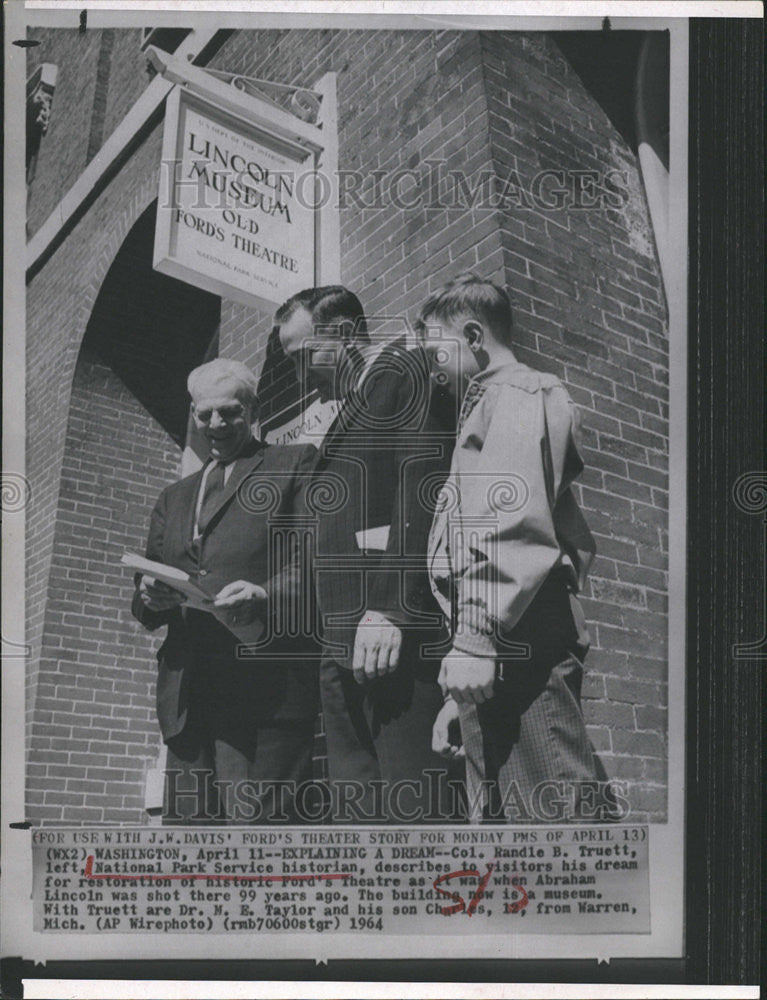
<point>475,334</point>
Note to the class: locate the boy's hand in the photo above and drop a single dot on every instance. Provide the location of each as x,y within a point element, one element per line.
<point>446,734</point>
<point>467,679</point>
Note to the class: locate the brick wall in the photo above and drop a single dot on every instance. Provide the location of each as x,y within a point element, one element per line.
<point>63,151</point>
<point>586,287</point>
<point>101,73</point>
<point>128,78</point>
<point>95,729</point>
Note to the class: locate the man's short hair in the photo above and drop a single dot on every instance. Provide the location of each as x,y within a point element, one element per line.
<point>224,370</point>
<point>329,305</point>
<point>469,295</point>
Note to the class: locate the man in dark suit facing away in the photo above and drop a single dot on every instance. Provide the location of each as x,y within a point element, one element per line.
<point>380,461</point>
<point>239,729</point>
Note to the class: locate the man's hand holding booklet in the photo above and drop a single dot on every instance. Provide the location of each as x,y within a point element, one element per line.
<point>236,606</point>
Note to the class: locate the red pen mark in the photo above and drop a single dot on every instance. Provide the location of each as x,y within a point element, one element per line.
<point>89,874</point>
<point>455,896</point>
<point>459,903</point>
<point>480,891</point>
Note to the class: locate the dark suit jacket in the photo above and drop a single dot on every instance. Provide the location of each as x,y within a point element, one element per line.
<point>383,459</point>
<point>200,675</point>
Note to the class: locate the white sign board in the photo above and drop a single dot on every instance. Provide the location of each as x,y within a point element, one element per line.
<point>236,212</point>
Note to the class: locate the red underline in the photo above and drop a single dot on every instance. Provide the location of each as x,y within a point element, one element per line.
<point>88,873</point>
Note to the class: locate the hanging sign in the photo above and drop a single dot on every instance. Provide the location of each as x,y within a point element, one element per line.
<point>237,205</point>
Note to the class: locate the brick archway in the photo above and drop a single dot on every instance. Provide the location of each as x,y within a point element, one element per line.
<point>93,733</point>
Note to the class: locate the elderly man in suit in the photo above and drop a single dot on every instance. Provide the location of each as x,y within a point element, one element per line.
<point>239,729</point>
<point>383,455</point>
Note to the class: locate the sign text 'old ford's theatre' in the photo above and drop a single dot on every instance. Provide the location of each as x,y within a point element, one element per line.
<point>236,213</point>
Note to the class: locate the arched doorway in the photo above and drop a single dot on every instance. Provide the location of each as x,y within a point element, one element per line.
<point>94,724</point>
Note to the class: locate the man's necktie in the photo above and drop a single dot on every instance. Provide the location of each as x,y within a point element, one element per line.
<point>214,485</point>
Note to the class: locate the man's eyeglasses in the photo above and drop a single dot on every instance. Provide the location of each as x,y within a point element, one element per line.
<point>226,413</point>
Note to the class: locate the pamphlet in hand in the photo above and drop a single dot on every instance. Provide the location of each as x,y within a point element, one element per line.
<point>196,597</point>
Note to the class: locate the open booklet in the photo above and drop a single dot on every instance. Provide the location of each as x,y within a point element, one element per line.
<point>196,597</point>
